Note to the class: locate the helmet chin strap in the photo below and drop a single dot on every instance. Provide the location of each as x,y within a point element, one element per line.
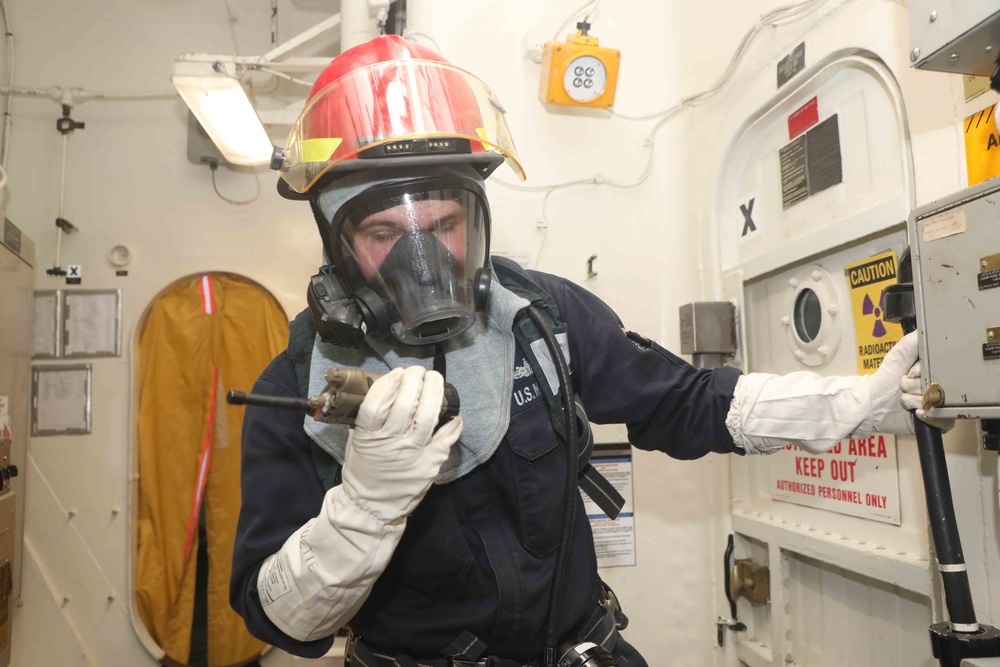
<point>484,279</point>
<point>323,225</point>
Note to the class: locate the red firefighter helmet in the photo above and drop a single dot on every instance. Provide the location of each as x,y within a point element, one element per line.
<point>390,101</point>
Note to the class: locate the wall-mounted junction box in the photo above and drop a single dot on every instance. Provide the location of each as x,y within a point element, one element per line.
<point>955,243</point>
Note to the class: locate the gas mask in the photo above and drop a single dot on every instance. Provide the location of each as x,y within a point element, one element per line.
<point>408,259</point>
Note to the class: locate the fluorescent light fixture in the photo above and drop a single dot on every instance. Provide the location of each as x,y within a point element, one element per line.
<point>222,107</point>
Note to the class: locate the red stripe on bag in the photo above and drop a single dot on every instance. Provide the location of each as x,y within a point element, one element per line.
<point>203,463</point>
<point>207,298</point>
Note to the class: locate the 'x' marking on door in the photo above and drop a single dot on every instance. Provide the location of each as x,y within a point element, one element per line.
<point>748,225</point>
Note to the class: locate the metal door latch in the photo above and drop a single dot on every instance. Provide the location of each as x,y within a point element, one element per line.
<point>751,581</point>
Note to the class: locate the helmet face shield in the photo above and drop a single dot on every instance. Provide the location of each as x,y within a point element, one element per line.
<point>421,250</point>
<point>408,107</point>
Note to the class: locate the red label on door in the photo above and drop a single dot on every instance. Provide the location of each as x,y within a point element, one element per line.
<point>803,118</point>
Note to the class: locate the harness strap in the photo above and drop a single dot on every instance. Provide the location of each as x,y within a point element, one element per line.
<point>514,278</point>
<point>301,338</point>
<point>466,646</point>
<point>592,482</point>
<point>526,333</point>
<point>517,280</point>
<point>601,491</point>
<point>466,650</point>
<point>363,656</point>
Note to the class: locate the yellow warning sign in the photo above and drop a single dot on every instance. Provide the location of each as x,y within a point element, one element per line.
<point>982,145</point>
<point>867,280</point>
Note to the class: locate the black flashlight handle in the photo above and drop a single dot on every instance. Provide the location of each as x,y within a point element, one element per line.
<point>264,400</point>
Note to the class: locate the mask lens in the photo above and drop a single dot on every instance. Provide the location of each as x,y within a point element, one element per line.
<point>420,252</point>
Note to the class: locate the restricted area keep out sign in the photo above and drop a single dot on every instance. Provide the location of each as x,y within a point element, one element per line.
<point>856,477</point>
<point>867,281</point>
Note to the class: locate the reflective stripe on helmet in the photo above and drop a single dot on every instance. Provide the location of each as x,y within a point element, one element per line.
<point>319,149</point>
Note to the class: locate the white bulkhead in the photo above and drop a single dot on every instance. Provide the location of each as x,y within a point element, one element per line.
<point>707,181</point>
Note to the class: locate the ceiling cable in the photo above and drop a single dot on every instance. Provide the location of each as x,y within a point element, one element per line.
<point>590,7</point>
<point>273,72</point>
<point>213,164</point>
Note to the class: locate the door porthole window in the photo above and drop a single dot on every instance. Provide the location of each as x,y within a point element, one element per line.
<point>811,316</point>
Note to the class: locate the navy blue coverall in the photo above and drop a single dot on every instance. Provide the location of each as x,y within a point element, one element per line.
<point>478,554</point>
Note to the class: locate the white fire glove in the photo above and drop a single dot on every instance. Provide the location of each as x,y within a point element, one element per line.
<point>913,398</point>
<point>394,454</point>
<point>814,412</point>
<point>323,573</point>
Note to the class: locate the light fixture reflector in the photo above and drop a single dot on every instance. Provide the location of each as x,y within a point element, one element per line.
<point>222,107</point>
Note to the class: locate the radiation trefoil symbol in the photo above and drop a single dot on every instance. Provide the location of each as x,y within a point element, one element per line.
<point>869,308</point>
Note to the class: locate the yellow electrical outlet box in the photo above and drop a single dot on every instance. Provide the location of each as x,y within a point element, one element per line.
<point>579,73</point>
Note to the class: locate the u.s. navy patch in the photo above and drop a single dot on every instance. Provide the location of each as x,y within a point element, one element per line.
<point>526,388</point>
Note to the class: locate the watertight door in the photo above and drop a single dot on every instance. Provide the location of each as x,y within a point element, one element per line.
<point>814,201</point>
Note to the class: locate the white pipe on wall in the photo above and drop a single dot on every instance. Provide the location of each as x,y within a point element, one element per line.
<point>356,24</point>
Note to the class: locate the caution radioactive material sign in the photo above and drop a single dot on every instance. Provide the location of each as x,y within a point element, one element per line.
<point>982,145</point>
<point>867,280</point>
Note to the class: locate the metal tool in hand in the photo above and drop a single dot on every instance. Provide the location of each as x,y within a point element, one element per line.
<point>339,401</point>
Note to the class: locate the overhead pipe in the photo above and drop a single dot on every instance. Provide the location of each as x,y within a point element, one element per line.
<point>360,21</point>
